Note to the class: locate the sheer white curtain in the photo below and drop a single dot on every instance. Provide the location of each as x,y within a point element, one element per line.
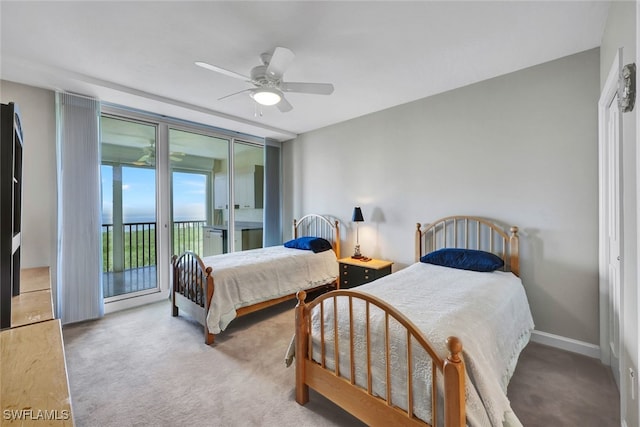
<point>79,290</point>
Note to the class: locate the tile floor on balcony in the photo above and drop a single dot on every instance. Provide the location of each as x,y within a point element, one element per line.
<point>132,280</point>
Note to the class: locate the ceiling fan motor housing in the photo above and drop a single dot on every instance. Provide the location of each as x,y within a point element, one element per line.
<point>259,77</point>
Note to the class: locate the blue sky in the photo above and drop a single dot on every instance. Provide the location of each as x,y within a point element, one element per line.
<point>138,195</point>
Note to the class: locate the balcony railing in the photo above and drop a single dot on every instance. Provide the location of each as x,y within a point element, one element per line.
<point>188,236</point>
<point>139,243</point>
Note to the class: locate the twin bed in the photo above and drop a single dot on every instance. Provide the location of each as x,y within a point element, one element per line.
<point>428,345</point>
<point>216,289</point>
<point>433,344</point>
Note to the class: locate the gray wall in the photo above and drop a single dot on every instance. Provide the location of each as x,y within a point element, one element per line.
<point>620,31</point>
<point>39,205</point>
<point>521,149</point>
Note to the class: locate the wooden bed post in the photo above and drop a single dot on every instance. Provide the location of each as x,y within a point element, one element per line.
<point>295,229</point>
<point>514,251</point>
<point>418,243</point>
<point>174,307</point>
<point>208,337</point>
<point>454,391</point>
<point>302,341</point>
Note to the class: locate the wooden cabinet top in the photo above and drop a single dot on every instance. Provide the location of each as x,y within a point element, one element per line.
<point>31,307</point>
<point>373,263</point>
<point>35,279</point>
<point>34,376</point>
<point>34,304</point>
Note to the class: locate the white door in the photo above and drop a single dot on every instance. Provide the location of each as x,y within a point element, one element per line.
<point>613,235</point>
<point>610,123</point>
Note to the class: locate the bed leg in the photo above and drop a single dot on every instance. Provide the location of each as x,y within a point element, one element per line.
<point>174,307</point>
<point>302,389</point>
<point>302,394</point>
<point>208,337</point>
<point>174,273</point>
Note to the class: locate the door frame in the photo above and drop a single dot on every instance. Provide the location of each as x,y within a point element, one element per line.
<point>609,91</point>
<point>160,292</point>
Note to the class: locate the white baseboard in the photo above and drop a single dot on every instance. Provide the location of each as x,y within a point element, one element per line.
<point>127,303</point>
<point>568,344</point>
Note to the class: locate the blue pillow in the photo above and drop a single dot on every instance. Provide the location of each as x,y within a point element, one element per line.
<point>464,259</point>
<point>309,243</point>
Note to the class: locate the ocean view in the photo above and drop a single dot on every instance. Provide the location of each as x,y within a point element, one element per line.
<point>128,219</point>
<point>139,195</point>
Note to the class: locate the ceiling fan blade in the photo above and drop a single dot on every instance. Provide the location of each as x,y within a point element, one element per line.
<point>284,105</point>
<point>280,61</point>
<point>223,71</point>
<point>314,88</point>
<point>232,94</point>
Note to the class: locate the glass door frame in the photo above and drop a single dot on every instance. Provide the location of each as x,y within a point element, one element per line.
<point>233,138</point>
<point>121,301</point>
<point>133,299</point>
<point>163,191</point>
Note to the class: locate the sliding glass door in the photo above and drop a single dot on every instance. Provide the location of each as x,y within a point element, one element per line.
<point>129,220</point>
<point>199,166</point>
<point>170,186</point>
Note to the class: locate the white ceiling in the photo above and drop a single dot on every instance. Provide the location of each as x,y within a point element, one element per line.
<point>377,54</point>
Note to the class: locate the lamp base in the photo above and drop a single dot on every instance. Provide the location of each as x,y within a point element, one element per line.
<point>356,253</point>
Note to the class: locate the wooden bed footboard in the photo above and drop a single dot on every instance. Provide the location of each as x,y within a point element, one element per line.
<point>313,369</point>
<point>192,289</point>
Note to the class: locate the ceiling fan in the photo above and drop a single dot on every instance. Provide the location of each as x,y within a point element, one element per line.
<point>267,78</point>
<point>148,157</point>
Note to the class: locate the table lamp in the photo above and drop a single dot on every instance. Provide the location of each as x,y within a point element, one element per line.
<point>357,217</point>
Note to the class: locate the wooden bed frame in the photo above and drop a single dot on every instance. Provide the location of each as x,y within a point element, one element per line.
<point>193,284</point>
<point>454,231</point>
<point>470,232</point>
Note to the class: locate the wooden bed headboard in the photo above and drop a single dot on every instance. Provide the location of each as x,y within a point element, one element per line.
<point>318,226</point>
<point>470,232</point>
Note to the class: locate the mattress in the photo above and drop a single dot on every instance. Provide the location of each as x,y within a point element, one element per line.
<point>257,275</point>
<point>489,312</point>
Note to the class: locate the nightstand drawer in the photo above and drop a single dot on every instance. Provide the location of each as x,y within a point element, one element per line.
<point>351,276</point>
<point>356,273</point>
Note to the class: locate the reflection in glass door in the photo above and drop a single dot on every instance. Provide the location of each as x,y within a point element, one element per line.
<point>129,219</point>
<point>199,168</point>
<point>248,178</point>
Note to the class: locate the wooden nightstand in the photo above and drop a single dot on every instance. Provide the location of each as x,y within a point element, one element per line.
<point>354,272</point>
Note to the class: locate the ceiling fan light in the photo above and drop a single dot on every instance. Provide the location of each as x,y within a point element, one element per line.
<point>266,96</point>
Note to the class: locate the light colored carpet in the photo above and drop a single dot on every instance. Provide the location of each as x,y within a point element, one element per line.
<point>552,387</point>
<point>142,367</point>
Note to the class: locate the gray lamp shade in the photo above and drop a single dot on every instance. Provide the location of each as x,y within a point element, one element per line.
<point>357,215</point>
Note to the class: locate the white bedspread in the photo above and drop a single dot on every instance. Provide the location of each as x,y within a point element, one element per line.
<point>257,275</point>
<point>489,312</point>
